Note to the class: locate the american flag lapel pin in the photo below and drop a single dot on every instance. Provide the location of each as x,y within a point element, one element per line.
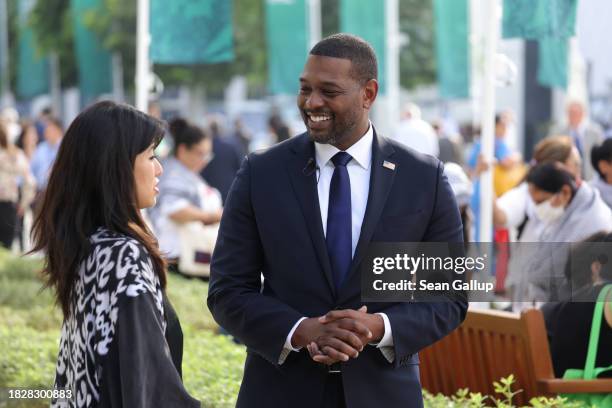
<point>389,165</point>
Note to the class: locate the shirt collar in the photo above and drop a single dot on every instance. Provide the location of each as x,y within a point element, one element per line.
<point>360,151</point>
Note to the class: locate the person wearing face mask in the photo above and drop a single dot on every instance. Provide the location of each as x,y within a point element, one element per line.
<point>601,159</point>
<point>514,210</point>
<point>570,211</point>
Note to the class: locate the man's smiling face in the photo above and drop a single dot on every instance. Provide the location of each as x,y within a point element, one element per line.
<point>333,104</point>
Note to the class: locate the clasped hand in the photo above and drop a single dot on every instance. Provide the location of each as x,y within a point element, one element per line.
<point>339,334</point>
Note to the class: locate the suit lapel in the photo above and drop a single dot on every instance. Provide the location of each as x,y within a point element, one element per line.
<point>381,180</point>
<point>305,188</point>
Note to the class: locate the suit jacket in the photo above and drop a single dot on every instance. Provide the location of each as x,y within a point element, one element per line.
<point>272,224</point>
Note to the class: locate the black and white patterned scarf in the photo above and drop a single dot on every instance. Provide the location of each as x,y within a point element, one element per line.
<point>117,267</point>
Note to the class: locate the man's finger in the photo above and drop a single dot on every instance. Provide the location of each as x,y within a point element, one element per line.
<point>356,327</point>
<point>340,349</point>
<point>346,336</point>
<point>323,359</point>
<point>338,314</point>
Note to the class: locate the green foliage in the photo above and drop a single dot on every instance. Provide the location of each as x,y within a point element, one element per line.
<point>51,21</point>
<point>417,59</point>
<point>463,398</point>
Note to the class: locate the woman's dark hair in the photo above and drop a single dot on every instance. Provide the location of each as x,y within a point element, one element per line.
<point>595,248</point>
<point>3,136</point>
<point>599,153</point>
<point>92,185</point>
<point>185,133</point>
<point>551,177</point>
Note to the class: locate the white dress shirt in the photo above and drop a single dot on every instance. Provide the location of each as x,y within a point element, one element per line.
<point>359,170</point>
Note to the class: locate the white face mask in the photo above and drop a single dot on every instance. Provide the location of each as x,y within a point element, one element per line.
<point>547,213</point>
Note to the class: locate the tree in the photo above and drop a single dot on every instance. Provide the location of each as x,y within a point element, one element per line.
<point>51,21</point>
<point>417,59</point>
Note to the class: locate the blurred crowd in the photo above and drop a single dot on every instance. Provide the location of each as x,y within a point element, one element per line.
<point>562,194</point>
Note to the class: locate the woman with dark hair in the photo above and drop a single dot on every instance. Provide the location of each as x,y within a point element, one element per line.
<point>570,211</point>
<point>14,171</point>
<point>568,323</point>
<point>184,195</point>
<point>601,159</point>
<point>121,343</point>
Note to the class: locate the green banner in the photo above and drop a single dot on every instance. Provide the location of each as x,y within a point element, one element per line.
<point>552,62</point>
<point>33,69</point>
<point>452,48</point>
<point>288,44</point>
<point>535,19</point>
<point>191,32</point>
<point>366,18</point>
<point>93,61</point>
<point>552,23</point>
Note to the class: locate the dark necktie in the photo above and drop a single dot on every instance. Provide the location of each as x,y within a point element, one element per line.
<point>339,226</point>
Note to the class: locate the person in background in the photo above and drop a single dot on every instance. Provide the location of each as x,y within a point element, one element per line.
<point>121,342</point>
<point>601,159</point>
<point>462,188</point>
<point>28,139</point>
<point>568,323</point>
<point>415,133</point>
<point>10,117</point>
<point>225,162</point>
<point>505,158</point>
<point>45,153</point>
<point>41,122</point>
<point>14,170</point>
<point>584,133</point>
<point>183,195</point>
<point>570,210</point>
<point>241,137</point>
<point>515,209</point>
<point>450,146</point>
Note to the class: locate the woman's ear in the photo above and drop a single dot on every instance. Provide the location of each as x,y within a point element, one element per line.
<point>595,272</point>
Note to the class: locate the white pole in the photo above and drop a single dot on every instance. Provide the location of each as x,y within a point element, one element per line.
<point>142,55</point>
<point>55,84</point>
<point>392,52</point>
<point>487,137</point>
<point>4,55</point>
<point>314,22</point>
<point>117,66</point>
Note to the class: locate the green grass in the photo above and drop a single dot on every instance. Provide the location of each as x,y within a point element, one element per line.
<point>30,329</point>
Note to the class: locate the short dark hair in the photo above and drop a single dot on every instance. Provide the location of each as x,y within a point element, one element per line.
<point>551,177</point>
<point>599,153</point>
<point>185,133</point>
<point>55,122</point>
<point>582,255</point>
<point>357,50</point>
<point>92,185</point>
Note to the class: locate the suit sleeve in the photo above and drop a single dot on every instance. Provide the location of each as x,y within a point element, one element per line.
<point>234,295</point>
<point>416,325</point>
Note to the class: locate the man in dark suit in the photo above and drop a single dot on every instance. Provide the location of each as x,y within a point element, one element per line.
<point>302,214</point>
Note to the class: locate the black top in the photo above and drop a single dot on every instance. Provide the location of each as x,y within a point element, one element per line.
<point>569,328</point>
<point>121,346</point>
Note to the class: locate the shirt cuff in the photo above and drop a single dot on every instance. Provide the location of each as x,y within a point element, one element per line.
<point>385,345</point>
<point>288,347</point>
<point>387,339</point>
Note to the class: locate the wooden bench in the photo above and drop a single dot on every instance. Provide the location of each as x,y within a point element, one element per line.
<point>493,344</point>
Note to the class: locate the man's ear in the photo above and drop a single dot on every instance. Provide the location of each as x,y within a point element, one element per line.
<point>370,91</point>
